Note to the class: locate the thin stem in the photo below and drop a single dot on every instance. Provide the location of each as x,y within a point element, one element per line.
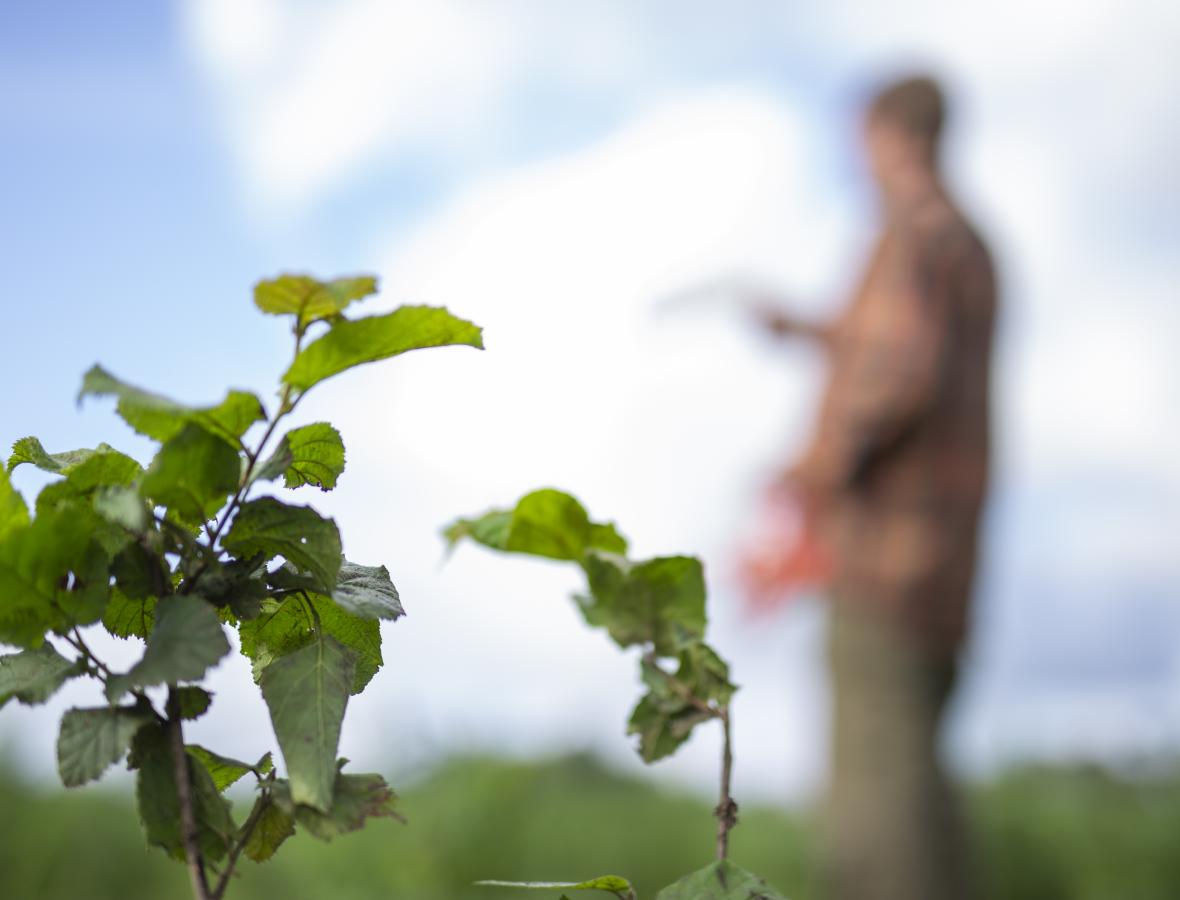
<point>251,462</point>
<point>727,809</point>
<point>102,671</point>
<point>236,850</point>
<point>286,406</point>
<point>190,836</point>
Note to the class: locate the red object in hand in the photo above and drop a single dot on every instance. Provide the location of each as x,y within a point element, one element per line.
<point>785,556</point>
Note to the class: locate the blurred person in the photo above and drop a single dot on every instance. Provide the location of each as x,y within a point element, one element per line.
<point>886,501</point>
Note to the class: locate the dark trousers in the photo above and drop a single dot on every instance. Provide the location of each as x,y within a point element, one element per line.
<point>892,828</point>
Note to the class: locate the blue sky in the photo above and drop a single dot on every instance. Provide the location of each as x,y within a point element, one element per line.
<point>550,170</point>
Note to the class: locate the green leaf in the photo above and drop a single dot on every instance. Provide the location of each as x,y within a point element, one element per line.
<point>127,617</point>
<point>105,467</point>
<point>720,881</point>
<point>122,506</point>
<point>29,450</point>
<point>286,579</point>
<point>92,740</point>
<point>272,827</point>
<point>238,585</point>
<point>286,625</point>
<point>613,884</point>
<point>160,418</point>
<point>490,529</point>
<point>225,771</point>
<point>157,799</point>
<point>368,592</point>
<point>605,536</point>
<point>65,498</point>
<point>317,456</point>
<point>666,716</point>
<point>13,511</point>
<point>313,454</point>
<point>139,573</point>
<point>297,533</point>
<point>53,572</point>
<point>355,798</point>
<point>706,673</point>
<point>309,299</point>
<point>274,465</point>
<point>187,641</point>
<point>660,601</point>
<point>90,477</point>
<point>84,602</point>
<point>547,523</point>
<point>35,560</point>
<point>33,676</point>
<point>86,469</point>
<point>661,731</point>
<point>192,702</point>
<point>232,417</point>
<point>307,692</point>
<point>193,474</point>
<point>353,343</point>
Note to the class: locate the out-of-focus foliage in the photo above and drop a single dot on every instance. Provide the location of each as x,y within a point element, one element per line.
<point>1079,834</point>
<point>656,604</point>
<point>1043,834</point>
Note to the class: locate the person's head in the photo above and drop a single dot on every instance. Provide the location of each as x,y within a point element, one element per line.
<point>902,129</point>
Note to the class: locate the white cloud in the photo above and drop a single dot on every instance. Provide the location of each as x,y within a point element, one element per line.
<point>314,92</point>
<point>652,418</point>
<point>662,420</point>
<point>237,41</point>
<point>314,95</point>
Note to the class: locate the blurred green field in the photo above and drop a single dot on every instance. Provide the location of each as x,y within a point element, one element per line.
<point>1043,834</point>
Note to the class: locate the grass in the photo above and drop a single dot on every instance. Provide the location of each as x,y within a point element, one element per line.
<point>1044,834</point>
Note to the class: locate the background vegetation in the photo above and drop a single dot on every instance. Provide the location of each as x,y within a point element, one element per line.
<point>1041,835</point>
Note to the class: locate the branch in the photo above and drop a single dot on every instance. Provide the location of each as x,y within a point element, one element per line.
<point>101,672</point>
<point>236,850</point>
<point>727,809</point>
<point>190,836</point>
<point>286,406</point>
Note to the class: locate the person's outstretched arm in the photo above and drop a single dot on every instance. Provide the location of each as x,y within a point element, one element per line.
<point>767,307</point>
<point>774,317</point>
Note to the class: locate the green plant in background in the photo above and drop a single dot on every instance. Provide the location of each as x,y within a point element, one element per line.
<point>174,553</point>
<point>657,605</point>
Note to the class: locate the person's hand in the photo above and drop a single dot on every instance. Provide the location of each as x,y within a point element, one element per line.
<point>769,311</point>
<point>773,317</point>
<point>787,555</point>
